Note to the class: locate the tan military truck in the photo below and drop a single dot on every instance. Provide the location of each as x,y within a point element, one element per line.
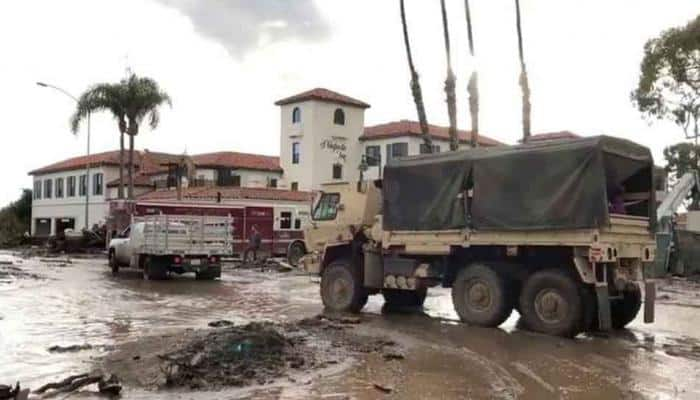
<point>527,227</point>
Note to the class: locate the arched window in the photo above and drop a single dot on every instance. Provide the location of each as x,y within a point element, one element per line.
<point>339,117</point>
<point>296,115</point>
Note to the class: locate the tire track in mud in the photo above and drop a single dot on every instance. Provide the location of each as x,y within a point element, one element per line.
<point>503,384</point>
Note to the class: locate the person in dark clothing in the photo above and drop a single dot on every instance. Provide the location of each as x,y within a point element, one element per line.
<point>254,241</point>
<point>616,202</point>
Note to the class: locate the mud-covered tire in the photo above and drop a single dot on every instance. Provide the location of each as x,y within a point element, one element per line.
<point>551,303</point>
<point>113,264</point>
<point>404,298</point>
<point>153,270</point>
<point>341,288</point>
<point>295,252</point>
<point>480,296</point>
<point>208,275</point>
<point>625,310</point>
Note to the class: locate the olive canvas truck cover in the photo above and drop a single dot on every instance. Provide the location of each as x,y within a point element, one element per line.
<point>561,184</point>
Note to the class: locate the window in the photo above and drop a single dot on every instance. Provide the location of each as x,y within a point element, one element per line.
<point>285,220</point>
<point>294,186</point>
<point>339,117</point>
<point>297,223</point>
<point>327,207</point>
<point>82,187</point>
<point>296,152</point>
<point>272,182</point>
<point>236,180</point>
<point>373,156</point>
<point>48,188</point>
<point>37,189</point>
<point>70,191</point>
<point>394,150</point>
<point>296,115</point>
<point>97,184</point>
<point>337,171</point>
<point>424,148</point>
<point>59,188</point>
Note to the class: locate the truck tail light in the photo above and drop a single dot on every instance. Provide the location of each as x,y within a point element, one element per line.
<point>177,260</point>
<point>213,259</point>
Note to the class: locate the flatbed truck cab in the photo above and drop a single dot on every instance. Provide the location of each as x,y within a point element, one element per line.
<point>501,232</point>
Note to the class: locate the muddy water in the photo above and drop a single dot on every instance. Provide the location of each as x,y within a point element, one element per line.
<point>82,303</point>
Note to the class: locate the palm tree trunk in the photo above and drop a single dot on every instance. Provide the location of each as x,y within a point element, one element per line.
<point>473,87</point>
<point>524,83</point>
<point>120,191</point>
<point>450,83</point>
<point>131,166</point>
<point>415,86</point>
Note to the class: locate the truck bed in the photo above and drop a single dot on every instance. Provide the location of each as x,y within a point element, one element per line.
<point>186,235</point>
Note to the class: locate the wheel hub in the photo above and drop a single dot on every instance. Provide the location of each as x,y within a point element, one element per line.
<point>551,307</point>
<point>340,290</point>
<point>478,296</point>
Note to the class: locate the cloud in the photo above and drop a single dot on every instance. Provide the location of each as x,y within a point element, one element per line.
<point>242,25</point>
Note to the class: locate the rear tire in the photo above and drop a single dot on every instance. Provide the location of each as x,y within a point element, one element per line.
<point>404,298</point>
<point>552,304</point>
<point>208,275</point>
<point>341,288</point>
<point>623,311</point>
<point>480,296</point>
<point>154,269</point>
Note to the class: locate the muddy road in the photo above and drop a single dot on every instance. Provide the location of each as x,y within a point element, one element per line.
<point>118,323</point>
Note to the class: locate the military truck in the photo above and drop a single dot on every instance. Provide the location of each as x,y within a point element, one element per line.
<point>526,227</point>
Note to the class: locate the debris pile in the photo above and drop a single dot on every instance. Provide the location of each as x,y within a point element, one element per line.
<point>235,356</point>
<point>106,384</point>
<point>262,352</point>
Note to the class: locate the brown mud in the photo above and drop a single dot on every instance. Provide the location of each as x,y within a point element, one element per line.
<point>131,324</point>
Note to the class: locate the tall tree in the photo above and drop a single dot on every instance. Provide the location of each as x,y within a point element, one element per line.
<point>473,86</point>
<point>104,97</point>
<point>524,82</point>
<point>450,83</point>
<point>143,99</point>
<point>415,85</point>
<point>669,83</point>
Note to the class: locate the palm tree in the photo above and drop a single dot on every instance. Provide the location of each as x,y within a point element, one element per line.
<point>415,86</point>
<point>143,98</point>
<point>104,97</point>
<point>129,101</point>
<point>524,84</point>
<point>473,87</point>
<point>450,83</point>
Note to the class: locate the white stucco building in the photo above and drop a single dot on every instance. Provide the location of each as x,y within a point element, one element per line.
<point>323,139</point>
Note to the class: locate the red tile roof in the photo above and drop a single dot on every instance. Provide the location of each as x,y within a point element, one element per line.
<point>412,128</point>
<point>229,193</point>
<point>322,94</point>
<point>95,160</point>
<point>147,162</point>
<point>233,159</point>
<point>553,136</point>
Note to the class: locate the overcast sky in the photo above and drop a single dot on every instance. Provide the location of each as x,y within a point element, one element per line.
<point>224,63</point>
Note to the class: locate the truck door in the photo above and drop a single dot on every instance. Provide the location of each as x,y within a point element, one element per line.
<point>120,250</point>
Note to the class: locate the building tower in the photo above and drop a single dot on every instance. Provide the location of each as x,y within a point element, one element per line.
<point>319,138</point>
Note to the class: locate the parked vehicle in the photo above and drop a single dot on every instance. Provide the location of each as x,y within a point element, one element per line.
<point>163,244</point>
<point>526,227</point>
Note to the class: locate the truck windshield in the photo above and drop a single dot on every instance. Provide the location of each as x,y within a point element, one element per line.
<point>327,207</point>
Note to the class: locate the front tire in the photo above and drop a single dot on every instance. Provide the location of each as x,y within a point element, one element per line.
<point>480,296</point>
<point>341,288</point>
<point>295,253</point>
<point>113,264</point>
<point>551,303</point>
<point>624,310</point>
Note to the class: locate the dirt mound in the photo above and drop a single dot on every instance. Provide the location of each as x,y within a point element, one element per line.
<point>235,356</point>
<point>260,353</point>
